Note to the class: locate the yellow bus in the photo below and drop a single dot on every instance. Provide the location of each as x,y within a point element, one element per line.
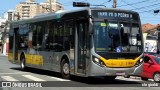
<point>86,42</point>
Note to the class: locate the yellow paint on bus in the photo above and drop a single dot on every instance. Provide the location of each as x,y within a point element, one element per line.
<point>30,59</point>
<point>119,62</point>
<point>10,56</point>
<point>34,59</point>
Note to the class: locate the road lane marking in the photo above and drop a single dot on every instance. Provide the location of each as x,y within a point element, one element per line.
<point>127,79</point>
<point>33,78</point>
<point>13,73</point>
<point>151,80</point>
<point>59,79</point>
<point>8,78</point>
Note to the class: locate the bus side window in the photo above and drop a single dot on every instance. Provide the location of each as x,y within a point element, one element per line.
<point>58,37</point>
<point>66,43</point>
<point>68,36</point>
<point>48,37</point>
<point>23,36</point>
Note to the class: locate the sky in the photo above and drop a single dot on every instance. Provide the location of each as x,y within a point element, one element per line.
<point>144,7</point>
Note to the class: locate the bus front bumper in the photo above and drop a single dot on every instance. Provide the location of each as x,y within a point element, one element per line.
<point>96,70</point>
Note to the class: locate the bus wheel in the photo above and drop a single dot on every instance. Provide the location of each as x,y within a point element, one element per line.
<point>109,78</point>
<point>156,77</point>
<point>65,71</point>
<point>22,63</point>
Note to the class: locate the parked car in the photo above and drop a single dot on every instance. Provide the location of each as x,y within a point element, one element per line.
<point>151,69</point>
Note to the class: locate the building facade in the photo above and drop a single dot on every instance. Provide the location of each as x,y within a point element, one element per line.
<point>27,9</point>
<point>10,15</point>
<point>4,36</point>
<point>50,6</point>
<point>151,37</point>
<point>30,8</point>
<point>2,23</point>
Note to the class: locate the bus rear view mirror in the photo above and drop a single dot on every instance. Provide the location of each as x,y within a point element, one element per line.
<point>106,21</point>
<point>157,51</point>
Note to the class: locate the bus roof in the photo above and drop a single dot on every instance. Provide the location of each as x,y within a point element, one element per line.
<point>59,14</point>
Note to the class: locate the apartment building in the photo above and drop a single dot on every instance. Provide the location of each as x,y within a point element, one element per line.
<point>30,8</point>
<point>53,4</point>
<point>27,9</point>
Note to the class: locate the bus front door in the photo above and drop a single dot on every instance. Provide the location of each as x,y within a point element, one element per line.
<point>81,47</point>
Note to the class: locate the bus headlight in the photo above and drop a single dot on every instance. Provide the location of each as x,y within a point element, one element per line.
<point>139,62</point>
<point>98,62</point>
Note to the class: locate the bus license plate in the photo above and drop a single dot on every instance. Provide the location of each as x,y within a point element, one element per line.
<point>120,73</point>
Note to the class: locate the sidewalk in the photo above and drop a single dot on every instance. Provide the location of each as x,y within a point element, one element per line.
<point>1,54</point>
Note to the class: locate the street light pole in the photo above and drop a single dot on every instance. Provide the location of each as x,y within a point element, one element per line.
<point>114,3</point>
<point>50,4</point>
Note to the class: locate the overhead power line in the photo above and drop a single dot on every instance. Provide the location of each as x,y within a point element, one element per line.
<point>106,2</point>
<point>128,4</point>
<point>71,2</point>
<point>151,10</point>
<point>145,6</point>
<point>133,3</point>
<point>146,11</point>
<point>67,4</point>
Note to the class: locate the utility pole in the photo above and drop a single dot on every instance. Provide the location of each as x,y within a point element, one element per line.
<point>50,4</point>
<point>114,3</point>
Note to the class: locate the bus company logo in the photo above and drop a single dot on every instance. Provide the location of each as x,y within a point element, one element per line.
<point>21,84</point>
<point>6,84</point>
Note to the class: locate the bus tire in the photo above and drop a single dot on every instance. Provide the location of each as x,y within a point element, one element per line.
<point>22,63</point>
<point>156,77</point>
<point>65,69</point>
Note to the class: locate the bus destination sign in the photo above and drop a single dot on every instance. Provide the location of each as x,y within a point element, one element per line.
<point>102,14</point>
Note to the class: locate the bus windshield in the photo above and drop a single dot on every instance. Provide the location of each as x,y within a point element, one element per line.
<point>117,37</point>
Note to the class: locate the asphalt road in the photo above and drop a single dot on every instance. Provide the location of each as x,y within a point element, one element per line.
<point>52,81</point>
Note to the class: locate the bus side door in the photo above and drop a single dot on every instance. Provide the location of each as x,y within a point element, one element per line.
<point>15,45</point>
<point>81,45</point>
